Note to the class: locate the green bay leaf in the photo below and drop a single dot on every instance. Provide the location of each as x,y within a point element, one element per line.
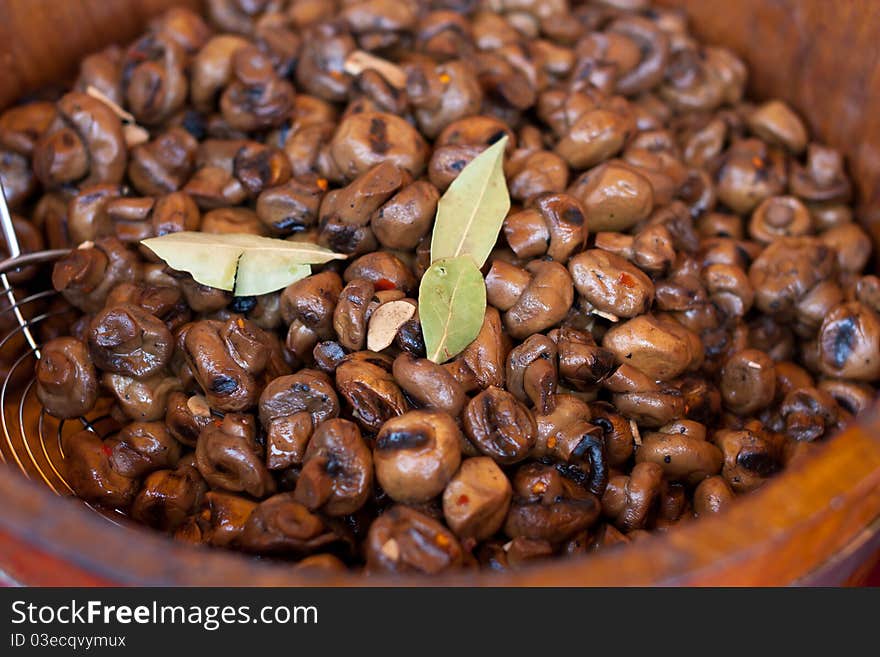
<point>248,265</point>
<point>471,211</point>
<point>452,303</point>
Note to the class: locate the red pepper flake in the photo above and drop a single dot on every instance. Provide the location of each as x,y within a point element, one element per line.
<point>384,284</point>
<point>240,323</point>
<point>463,499</point>
<point>539,487</point>
<point>218,423</point>
<point>323,184</point>
<point>441,540</point>
<point>444,78</point>
<point>108,451</point>
<point>626,280</point>
<point>551,442</point>
<point>758,162</point>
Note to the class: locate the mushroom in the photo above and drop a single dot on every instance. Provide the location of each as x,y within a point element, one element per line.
<point>350,314</point>
<point>345,213</point>
<point>532,374</point>
<point>211,69</point>
<point>186,417</point>
<point>659,347</point>
<point>851,245</point>
<point>384,269</point>
<point>227,360</point>
<point>142,447</point>
<point>596,136</point>
<point>256,98</point>
<point>403,220</point>
<point>281,525</point>
<point>567,434</point>
<point>534,172</point>
<point>809,413</point>
<point>429,385</point>
<point>168,497</point>
<point>775,122</point>
<point>712,496</point>
<point>402,540</point>
<point>652,46</point>
<point>533,299</point>
<point>682,451</point>
<point>84,145</point>
<point>291,207</point>
<point>228,457</point>
<point>780,216</point>
<point>629,499</point>
<point>617,432</point>
<point>416,454</point>
<point>481,364</point>
<point>750,172</point>
<point>748,382</point>
<point>126,339</point>
<point>548,507</point>
<point>86,276</point>
<point>142,400</point>
<point>67,385</point>
<point>553,224</point>
<point>321,67</point>
<point>849,343</point>
<point>849,395</point>
<point>749,458</point>
<point>337,470</point>
<point>363,140</point>
<point>260,167</point>
<point>307,307</point>
<point>221,520</point>
<point>615,196</point>
<point>476,499</point>
<point>290,408</point>
<point>500,426</point>
<point>90,473</point>
<point>154,81</point>
<point>610,284</point>
<point>364,379</point>
<point>823,179</point>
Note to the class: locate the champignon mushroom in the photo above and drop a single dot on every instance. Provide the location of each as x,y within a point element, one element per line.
<point>186,417</point>
<point>712,496</point>
<point>364,140</point>
<point>90,473</point>
<point>429,385</point>
<point>476,499</point>
<point>86,276</point>
<point>364,379</point>
<point>337,470</point>
<point>168,497</point>
<point>849,342</point>
<point>533,299</point>
<point>532,374</point>
<point>682,450</point>
<point>500,426</point>
<point>125,339</point>
<point>142,400</point>
<point>228,458</point>
<point>749,458</point>
<point>629,499</point>
<point>553,224</point>
<point>142,447</point>
<point>416,454</point>
<point>67,384</point>
<point>307,306</point>
<point>402,540</point>
<point>290,408</point>
<point>611,284</point>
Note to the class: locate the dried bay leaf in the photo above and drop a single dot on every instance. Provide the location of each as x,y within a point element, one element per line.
<point>471,211</point>
<point>249,265</point>
<point>385,321</point>
<point>452,303</point>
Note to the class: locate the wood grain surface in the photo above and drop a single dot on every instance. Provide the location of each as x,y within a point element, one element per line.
<point>821,56</point>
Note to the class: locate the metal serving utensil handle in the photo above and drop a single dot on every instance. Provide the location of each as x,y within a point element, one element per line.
<point>14,252</point>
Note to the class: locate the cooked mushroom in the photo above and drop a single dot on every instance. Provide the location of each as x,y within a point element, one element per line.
<point>659,347</point>
<point>337,471</point>
<point>364,140</point>
<point>500,426</point>
<point>629,499</point>
<point>402,540</point>
<point>86,276</point>
<point>428,384</point>
<point>416,455</point>
<point>126,339</point>
<point>749,458</point>
<point>849,342</point>
<point>533,299</point>
<point>532,374</point>
<point>307,306</point>
<point>682,451</point>
<point>186,416</point>
<point>748,382</point>
<point>712,496</point>
<point>67,385</point>
<point>364,379</point>
<point>142,400</point>
<point>290,408</point>
<point>476,499</point>
<point>281,525</point>
<point>168,497</point>
<point>611,284</point>
<point>89,471</point>
<point>228,457</point>
<point>142,447</point>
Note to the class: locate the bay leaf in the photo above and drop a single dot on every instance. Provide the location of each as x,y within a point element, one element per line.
<point>452,303</point>
<point>385,321</point>
<point>471,211</point>
<point>248,265</point>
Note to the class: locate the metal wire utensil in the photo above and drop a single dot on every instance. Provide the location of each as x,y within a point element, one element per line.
<point>31,437</point>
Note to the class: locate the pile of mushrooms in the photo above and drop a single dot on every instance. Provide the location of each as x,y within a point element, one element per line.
<point>677,303</point>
